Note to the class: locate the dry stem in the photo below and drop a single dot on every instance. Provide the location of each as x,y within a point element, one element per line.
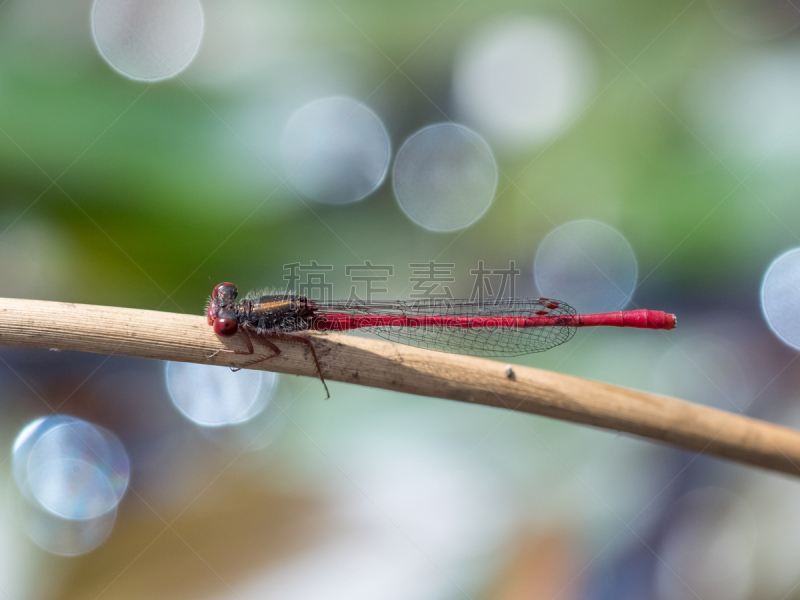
<point>170,336</point>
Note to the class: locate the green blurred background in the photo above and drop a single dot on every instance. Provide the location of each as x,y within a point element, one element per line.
<point>683,134</point>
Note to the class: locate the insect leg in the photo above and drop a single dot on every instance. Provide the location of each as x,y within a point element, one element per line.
<point>286,337</point>
<point>247,342</point>
<point>261,340</point>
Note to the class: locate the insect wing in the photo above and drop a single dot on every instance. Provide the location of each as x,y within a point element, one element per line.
<point>473,341</point>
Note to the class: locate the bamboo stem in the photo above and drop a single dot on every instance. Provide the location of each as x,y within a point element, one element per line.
<point>188,338</point>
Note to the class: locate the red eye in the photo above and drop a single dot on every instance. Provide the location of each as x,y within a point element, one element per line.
<point>219,285</point>
<point>225,327</point>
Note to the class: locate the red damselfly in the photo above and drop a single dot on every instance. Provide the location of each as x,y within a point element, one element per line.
<point>503,327</point>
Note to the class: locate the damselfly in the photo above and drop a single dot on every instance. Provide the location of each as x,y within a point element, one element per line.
<point>504,327</point>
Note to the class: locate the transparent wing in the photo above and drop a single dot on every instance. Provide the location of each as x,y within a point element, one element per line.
<point>483,341</point>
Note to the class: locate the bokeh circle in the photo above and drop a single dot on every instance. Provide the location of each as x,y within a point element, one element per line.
<point>68,537</point>
<point>445,177</point>
<point>71,468</point>
<point>521,81</point>
<point>214,396</point>
<point>147,40</point>
<point>587,264</point>
<point>780,297</point>
<point>335,150</point>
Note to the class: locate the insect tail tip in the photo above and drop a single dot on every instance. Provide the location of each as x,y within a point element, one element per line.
<point>672,321</point>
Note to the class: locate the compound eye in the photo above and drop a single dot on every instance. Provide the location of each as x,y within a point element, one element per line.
<point>225,327</point>
<point>225,291</point>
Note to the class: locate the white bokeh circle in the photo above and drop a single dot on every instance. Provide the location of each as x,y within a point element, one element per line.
<point>445,177</point>
<point>746,106</point>
<point>68,537</point>
<point>587,264</point>
<point>780,297</point>
<point>148,40</point>
<point>70,467</point>
<point>521,81</point>
<point>335,150</point>
<point>214,396</point>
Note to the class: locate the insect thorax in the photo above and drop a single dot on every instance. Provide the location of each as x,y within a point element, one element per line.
<point>277,312</point>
